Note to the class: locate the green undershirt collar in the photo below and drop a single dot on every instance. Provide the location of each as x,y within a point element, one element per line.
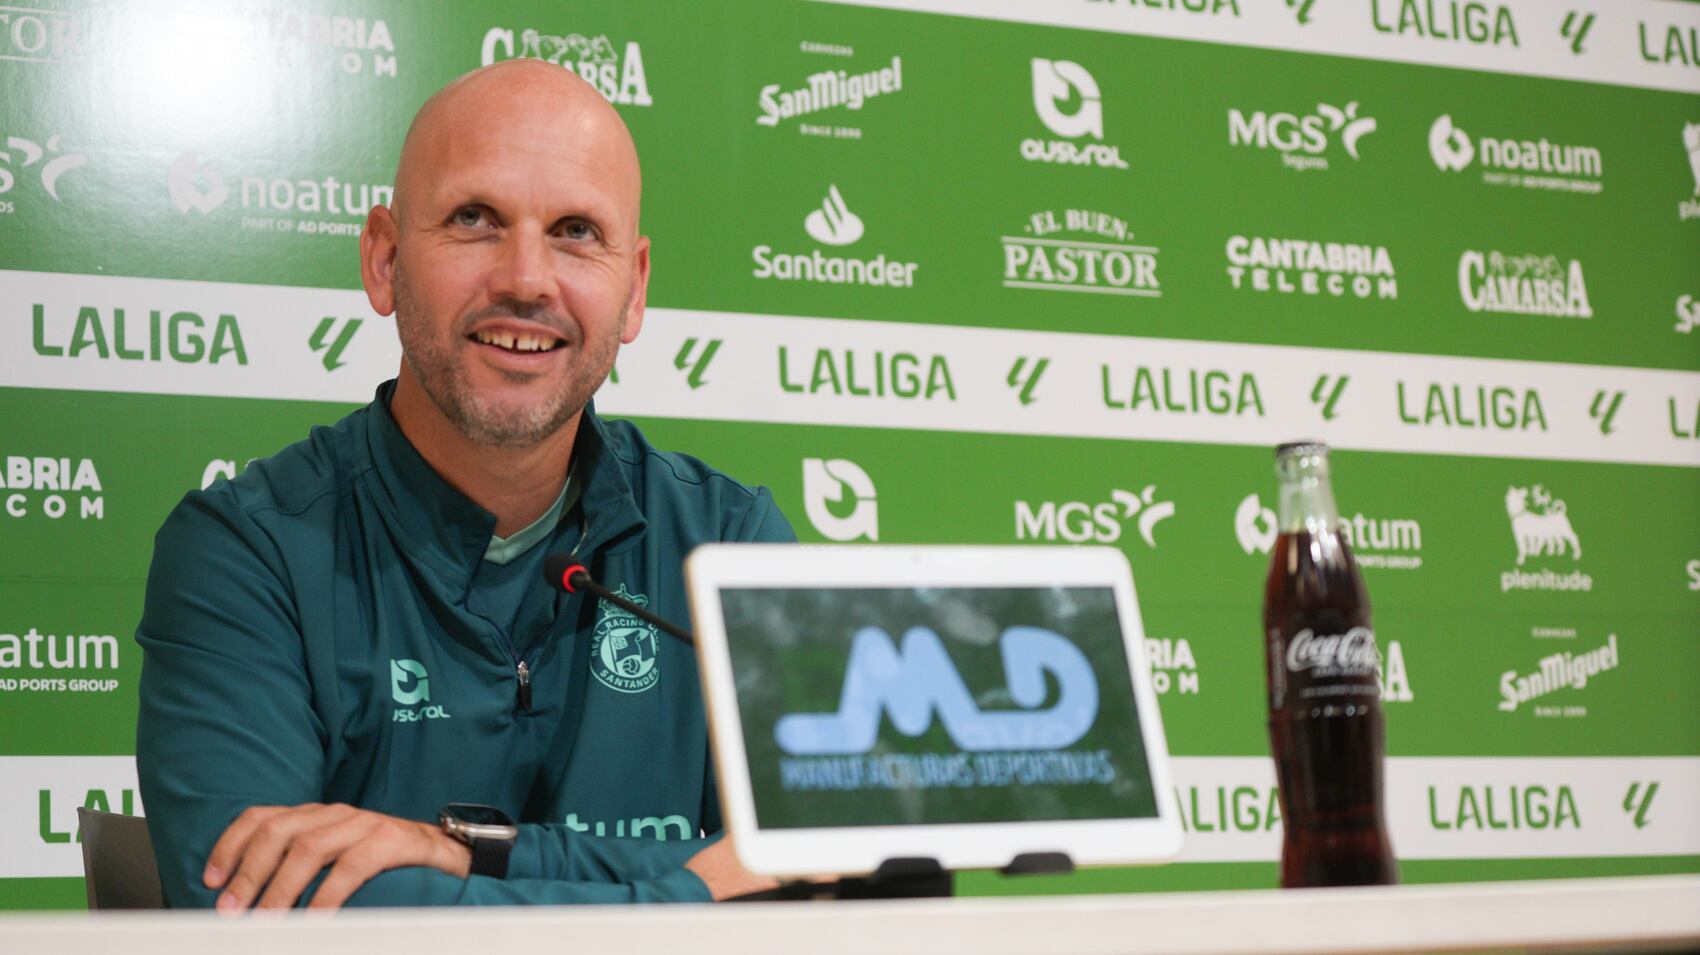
<point>501,550</point>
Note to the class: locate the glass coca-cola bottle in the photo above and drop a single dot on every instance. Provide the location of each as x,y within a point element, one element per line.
<point>1325,724</point>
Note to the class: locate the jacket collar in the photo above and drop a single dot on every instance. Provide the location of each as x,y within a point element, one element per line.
<point>445,529</point>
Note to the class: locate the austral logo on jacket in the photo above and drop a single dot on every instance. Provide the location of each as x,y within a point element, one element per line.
<point>624,654</point>
<point>411,685</point>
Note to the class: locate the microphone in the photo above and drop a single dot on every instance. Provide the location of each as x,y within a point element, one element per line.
<point>568,575</point>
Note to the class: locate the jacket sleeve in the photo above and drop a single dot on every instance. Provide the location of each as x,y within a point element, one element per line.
<point>762,522</point>
<point>227,722</point>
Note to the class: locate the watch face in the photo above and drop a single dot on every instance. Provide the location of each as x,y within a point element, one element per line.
<point>476,815</point>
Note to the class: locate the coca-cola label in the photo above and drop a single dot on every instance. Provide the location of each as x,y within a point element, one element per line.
<point>1352,653</point>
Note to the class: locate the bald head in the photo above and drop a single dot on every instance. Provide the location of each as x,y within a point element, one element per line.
<point>526,105</point>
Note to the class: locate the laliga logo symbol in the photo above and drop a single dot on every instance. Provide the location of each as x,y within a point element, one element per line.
<point>1449,145</point>
<point>1541,528</point>
<point>1057,80</point>
<point>187,175</point>
<point>913,684</point>
<point>1254,525</point>
<point>825,480</point>
<point>833,223</point>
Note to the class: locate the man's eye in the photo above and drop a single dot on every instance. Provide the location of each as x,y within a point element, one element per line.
<point>578,230</point>
<point>469,216</point>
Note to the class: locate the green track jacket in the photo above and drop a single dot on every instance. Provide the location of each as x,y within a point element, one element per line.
<point>307,638</point>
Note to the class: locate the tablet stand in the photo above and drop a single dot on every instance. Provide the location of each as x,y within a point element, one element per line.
<point>906,878</point>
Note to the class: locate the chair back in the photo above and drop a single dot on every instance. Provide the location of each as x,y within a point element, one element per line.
<point>118,863</point>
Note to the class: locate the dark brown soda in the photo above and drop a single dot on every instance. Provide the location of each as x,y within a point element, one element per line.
<point>1326,732</point>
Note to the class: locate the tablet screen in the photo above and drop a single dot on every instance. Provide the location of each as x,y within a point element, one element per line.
<point>875,706</point>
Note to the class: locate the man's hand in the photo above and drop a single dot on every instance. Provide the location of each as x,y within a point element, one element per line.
<point>720,870</point>
<point>280,849</point>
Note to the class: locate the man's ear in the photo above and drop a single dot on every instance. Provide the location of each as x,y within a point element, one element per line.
<point>377,259</point>
<point>639,292</point>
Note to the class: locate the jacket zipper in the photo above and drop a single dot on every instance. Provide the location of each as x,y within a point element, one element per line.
<point>522,670</point>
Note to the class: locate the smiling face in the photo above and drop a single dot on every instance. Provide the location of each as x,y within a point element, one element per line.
<point>511,257</point>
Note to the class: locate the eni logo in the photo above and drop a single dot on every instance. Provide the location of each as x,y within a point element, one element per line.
<point>915,682</point>
<point>403,672</point>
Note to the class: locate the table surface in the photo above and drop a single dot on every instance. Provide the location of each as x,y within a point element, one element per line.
<point>1652,913</point>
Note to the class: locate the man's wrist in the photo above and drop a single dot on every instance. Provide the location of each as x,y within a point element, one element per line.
<point>450,855</point>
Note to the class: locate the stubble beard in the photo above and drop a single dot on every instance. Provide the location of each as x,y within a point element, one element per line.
<point>483,420</point>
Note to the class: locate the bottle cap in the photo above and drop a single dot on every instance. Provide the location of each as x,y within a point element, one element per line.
<point>1302,449</point>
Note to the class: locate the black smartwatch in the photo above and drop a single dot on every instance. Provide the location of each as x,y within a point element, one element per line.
<point>487,830</point>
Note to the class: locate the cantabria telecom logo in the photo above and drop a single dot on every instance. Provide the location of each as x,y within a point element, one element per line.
<point>354,46</point>
<point>1301,140</point>
<point>50,487</point>
<point>45,164</point>
<point>616,71</point>
<point>1390,543</point>
<point>828,482</point>
<point>1528,284</point>
<point>1309,267</point>
<point>1554,673</point>
<point>1690,208</point>
<point>1080,521</point>
<point>828,92</point>
<point>28,661</point>
<point>1057,83</point>
<point>1520,163</point>
<point>1541,530</point>
<point>200,188</point>
<point>832,223</point>
<point>1079,250</point>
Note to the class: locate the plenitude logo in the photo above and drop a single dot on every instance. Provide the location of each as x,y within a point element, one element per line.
<point>1689,208</point>
<point>825,91</point>
<point>617,74</point>
<point>1509,161</point>
<point>832,223</point>
<point>200,187</point>
<point>1309,267</point>
<point>1301,140</point>
<point>1540,528</point>
<point>1079,250</point>
<point>825,482</point>
<point>1556,672</point>
<point>1056,83</point>
<point>18,153</point>
<point>1529,284</point>
<point>47,486</point>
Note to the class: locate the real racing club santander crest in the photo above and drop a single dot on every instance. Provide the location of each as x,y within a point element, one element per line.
<point>624,649</point>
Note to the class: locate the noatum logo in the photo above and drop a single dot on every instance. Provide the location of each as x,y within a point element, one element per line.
<point>1522,163</point>
<point>46,485</point>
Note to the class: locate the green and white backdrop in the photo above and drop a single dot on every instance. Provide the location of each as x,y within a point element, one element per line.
<point>969,271</point>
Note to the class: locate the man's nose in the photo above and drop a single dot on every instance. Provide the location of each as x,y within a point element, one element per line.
<point>523,271</point>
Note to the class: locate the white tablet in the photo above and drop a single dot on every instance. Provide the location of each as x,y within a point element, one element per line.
<point>965,704</point>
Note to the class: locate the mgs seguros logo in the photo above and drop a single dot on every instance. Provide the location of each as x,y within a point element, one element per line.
<point>1067,100</point>
<point>832,223</point>
<point>1079,250</point>
<point>1301,140</point>
<point>1542,533</point>
<point>615,70</point>
<point>1078,522</point>
<point>1518,163</point>
<point>38,165</point>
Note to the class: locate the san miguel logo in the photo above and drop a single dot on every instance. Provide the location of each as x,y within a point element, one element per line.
<point>624,648</point>
<point>616,71</point>
<point>824,91</point>
<point>1079,250</point>
<point>1556,672</point>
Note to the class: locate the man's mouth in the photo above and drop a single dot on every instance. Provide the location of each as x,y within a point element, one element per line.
<point>517,341</point>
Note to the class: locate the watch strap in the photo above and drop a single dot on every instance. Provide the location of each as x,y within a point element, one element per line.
<point>490,857</point>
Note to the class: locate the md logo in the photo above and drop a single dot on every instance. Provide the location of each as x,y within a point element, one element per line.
<point>1078,522</point>
<point>824,482</point>
<point>911,685</point>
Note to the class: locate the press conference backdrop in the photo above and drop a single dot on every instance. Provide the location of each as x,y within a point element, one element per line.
<point>957,270</point>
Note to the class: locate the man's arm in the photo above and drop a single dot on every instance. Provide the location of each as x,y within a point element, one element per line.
<point>227,724</point>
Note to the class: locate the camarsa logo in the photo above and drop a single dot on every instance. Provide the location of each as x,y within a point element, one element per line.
<point>615,70</point>
<point>1523,285</point>
<point>624,651</point>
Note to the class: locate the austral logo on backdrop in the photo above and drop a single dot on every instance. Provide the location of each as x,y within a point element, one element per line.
<point>1541,530</point>
<point>36,653</point>
<point>1079,250</point>
<point>1056,85</point>
<point>827,92</point>
<point>1302,141</point>
<point>617,73</point>
<point>28,168</point>
<point>1337,269</point>
<point>198,189</point>
<point>163,335</point>
<point>832,223</point>
<point>1520,163</point>
<point>1529,284</point>
<point>51,487</point>
<point>828,481</point>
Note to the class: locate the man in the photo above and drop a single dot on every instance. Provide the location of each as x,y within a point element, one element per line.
<point>355,633</point>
